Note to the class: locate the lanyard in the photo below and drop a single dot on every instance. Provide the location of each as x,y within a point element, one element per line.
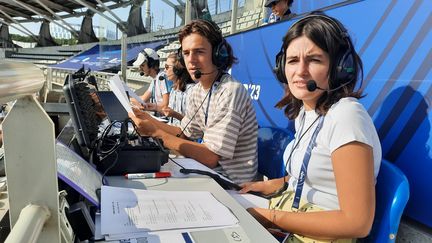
<point>303,170</point>
<point>208,105</point>
<point>214,86</point>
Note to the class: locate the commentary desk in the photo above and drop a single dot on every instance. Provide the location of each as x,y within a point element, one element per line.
<point>248,230</point>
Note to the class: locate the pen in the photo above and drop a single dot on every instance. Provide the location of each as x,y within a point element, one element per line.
<point>147,175</point>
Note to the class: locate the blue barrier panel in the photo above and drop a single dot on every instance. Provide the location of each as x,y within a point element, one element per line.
<point>394,40</point>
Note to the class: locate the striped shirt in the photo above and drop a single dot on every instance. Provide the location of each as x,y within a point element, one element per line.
<point>231,128</point>
<point>178,102</point>
<point>158,88</point>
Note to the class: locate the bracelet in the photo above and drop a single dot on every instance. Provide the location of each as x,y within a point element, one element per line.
<point>274,215</point>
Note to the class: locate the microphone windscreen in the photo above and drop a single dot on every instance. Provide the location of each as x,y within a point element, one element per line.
<point>161,77</point>
<point>311,85</point>
<point>197,74</point>
<point>141,73</point>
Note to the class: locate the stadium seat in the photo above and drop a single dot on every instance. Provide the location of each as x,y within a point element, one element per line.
<point>272,142</point>
<point>392,193</point>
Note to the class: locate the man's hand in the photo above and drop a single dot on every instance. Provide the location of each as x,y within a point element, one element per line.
<point>143,122</point>
<point>168,111</point>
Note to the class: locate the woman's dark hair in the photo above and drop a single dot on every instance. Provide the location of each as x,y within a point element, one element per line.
<point>329,35</point>
<point>183,77</point>
<point>213,34</point>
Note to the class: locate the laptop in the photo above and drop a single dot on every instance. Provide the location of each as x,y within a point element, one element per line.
<point>112,106</point>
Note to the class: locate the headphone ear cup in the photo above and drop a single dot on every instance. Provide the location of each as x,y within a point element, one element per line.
<point>180,56</point>
<point>279,69</point>
<point>345,71</point>
<point>220,55</point>
<point>178,72</point>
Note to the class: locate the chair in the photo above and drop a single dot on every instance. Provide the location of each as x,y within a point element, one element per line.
<point>392,193</point>
<point>272,142</point>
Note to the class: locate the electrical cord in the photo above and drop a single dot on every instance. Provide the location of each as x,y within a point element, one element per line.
<point>227,185</point>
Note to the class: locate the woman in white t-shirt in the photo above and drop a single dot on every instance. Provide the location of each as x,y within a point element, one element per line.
<point>182,84</point>
<point>333,161</point>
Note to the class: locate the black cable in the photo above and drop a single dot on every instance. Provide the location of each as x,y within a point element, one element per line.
<point>202,102</point>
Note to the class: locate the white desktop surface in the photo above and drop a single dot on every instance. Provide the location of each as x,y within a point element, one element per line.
<point>249,230</point>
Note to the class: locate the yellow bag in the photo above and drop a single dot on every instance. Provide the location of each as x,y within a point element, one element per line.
<point>285,205</point>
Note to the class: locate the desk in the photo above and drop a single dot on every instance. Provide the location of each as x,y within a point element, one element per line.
<point>248,231</point>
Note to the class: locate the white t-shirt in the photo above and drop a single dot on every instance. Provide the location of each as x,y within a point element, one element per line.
<point>159,87</point>
<point>345,122</point>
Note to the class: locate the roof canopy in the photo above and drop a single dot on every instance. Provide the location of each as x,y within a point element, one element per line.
<point>31,10</point>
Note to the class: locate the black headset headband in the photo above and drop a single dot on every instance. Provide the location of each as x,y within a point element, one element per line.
<point>344,71</point>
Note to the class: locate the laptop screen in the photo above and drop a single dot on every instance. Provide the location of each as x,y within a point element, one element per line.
<point>112,106</point>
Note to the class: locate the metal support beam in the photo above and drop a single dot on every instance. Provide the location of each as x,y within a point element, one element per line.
<point>188,11</point>
<point>42,13</point>
<point>14,12</point>
<point>92,7</point>
<point>112,13</point>
<point>16,22</point>
<point>56,6</point>
<point>123,66</point>
<point>234,8</point>
<point>66,25</point>
<point>33,9</point>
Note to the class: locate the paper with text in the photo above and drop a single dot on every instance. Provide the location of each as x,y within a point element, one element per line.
<point>132,94</point>
<point>126,210</point>
<point>116,86</point>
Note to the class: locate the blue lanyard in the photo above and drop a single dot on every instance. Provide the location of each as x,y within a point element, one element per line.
<point>303,170</point>
<point>214,86</point>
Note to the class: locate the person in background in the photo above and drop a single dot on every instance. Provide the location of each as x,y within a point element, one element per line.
<point>280,9</point>
<point>219,110</point>
<point>182,84</point>
<point>158,91</point>
<point>333,161</point>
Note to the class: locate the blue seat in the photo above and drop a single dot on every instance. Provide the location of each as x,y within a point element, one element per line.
<point>272,142</point>
<point>392,193</point>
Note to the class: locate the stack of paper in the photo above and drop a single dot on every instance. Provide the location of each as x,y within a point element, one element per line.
<point>130,212</point>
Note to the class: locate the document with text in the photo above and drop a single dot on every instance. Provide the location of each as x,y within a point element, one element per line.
<point>126,210</point>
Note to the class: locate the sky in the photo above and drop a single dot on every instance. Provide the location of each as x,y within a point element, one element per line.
<point>163,17</point>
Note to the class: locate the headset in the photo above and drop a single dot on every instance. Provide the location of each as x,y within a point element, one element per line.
<point>150,61</point>
<point>220,53</point>
<point>345,69</point>
<point>178,71</point>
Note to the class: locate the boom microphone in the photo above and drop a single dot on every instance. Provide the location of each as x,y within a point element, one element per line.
<point>141,73</point>
<point>161,78</point>
<point>197,74</point>
<point>312,86</point>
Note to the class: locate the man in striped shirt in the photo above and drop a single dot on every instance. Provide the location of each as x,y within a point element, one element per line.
<point>219,110</point>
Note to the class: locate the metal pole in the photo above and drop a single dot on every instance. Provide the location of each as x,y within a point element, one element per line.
<point>148,16</point>
<point>188,8</point>
<point>234,16</point>
<point>123,56</point>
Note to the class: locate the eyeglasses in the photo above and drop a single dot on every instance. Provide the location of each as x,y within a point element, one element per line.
<point>167,66</point>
